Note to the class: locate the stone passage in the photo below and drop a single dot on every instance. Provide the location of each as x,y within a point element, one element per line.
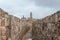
<point>14,28</point>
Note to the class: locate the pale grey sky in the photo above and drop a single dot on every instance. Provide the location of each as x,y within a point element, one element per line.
<point>39,8</point>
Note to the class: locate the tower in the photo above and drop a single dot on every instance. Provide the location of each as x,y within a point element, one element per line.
<point>30,15</point>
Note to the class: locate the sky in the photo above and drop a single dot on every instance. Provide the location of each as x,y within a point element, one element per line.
<point>39,8</point>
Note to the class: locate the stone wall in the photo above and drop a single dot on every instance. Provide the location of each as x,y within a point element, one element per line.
<point>9,26</point>
<point>4,24</point>
<point>47,28</point>
<point>14,28</point>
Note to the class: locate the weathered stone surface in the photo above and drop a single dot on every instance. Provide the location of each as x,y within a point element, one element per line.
<point>47,28</point>
<point>14,28</point>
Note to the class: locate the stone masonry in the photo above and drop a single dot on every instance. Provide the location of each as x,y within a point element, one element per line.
<point>14,28</point>
<point>47,28</point>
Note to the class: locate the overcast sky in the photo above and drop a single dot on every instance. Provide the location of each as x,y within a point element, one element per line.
<point>39,8</point>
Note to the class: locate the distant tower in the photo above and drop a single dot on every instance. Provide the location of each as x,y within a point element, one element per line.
<point>30,15</point>
<point>23,17</point>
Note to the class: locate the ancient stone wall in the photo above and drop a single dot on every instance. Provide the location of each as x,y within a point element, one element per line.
<point>48,31</point>
<point>4,24</point>
<point>47,28</point>
<point>15,28</point>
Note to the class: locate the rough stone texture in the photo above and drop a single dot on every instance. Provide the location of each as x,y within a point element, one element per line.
<point>14,28</point>
<point>47,28</point>
<point>4,24</point>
